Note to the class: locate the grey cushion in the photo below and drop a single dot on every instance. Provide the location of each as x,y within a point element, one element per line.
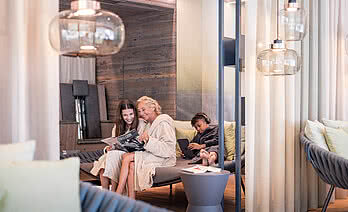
<point>169,175</point>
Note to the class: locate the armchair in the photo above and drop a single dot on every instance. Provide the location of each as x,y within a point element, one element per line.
<point>330,167</point>
<point>94,199</point>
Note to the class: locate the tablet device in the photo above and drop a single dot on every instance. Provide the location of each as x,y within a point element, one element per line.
<point>188,153</point>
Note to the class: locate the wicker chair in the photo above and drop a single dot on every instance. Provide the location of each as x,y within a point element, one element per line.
<point>331,168</point>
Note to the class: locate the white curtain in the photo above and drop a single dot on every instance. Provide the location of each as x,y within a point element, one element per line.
<point>77,68</point>
<point>29,76</point>
<point>278,176</point>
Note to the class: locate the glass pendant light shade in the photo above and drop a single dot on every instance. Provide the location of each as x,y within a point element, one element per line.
<point>86,30</point>
<point>293,22</point>
<point>346,43</point>
<point>278,60</point>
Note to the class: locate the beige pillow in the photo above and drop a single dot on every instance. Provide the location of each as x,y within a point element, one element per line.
<point>34,186</point>
<point>23,151</point>
<point>183,134</point>
<point>337,141</point>
<point>315,131</point>
<point>335,123</point>
<point>186,125</point>
<point>230,143</point>
<point>230,140</point>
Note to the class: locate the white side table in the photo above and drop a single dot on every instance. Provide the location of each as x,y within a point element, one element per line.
<point>204,191</point>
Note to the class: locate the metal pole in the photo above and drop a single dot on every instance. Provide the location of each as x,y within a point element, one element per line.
<point>220,97</point>
<point>237,109</point>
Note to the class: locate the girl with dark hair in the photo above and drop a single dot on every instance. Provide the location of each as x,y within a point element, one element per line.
<point>107,167</point>
<point>126,121</point>
<point>158,135</point>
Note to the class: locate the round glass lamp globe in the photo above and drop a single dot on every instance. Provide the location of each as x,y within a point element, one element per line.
<point>86,30</point>
<point>278,62</point>
<point>293,23</point>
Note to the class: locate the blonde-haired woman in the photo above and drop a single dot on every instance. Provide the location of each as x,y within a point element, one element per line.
<point>138,168</point>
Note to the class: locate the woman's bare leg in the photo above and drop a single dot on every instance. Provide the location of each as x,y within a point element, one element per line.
<point>113,186</point>
<point>104,181</point>
<point>126,159</point>
<point>130,181</point>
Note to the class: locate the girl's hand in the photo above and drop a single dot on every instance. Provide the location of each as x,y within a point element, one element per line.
<point>196,146</point>
<point>144,137</point>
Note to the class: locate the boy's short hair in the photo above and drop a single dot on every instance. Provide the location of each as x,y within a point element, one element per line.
<point>200,116</point>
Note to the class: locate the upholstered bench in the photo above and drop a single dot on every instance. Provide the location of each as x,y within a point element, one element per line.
<point>168,175</point>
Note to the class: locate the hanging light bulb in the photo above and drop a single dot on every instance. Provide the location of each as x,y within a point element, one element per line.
<point>278,60</point>
<point>86,30</point>
<point>293,22</point>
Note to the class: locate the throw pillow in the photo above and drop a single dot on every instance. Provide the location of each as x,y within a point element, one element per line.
<point>183,125</point>
<point>183,134</point>
<point>23,151</point>
<point>40,185</point>
<point>337,141</point>
<point>230,140</point>
<point>230,143</point>
<point>314,131</point>
<point>335,123</point>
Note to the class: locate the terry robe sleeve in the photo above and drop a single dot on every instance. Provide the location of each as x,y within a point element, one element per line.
<point>159,151</point>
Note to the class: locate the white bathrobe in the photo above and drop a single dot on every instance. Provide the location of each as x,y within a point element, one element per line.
<point>160,151</point>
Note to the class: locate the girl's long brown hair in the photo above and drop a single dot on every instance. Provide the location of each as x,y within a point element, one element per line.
<point>121,125</point>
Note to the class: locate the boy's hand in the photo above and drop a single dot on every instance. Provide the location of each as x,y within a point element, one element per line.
<point>196,146</point>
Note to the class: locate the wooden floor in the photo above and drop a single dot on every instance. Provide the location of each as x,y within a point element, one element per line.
<point>177,201</point>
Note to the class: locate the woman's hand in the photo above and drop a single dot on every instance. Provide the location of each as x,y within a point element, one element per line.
<point>144,137</point>
<point>108,148</point>
<point>196,146</point>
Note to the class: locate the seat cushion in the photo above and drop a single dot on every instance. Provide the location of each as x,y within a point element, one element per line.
<point>169,174</point>
<point>22,151</point>
<point>40,185</point>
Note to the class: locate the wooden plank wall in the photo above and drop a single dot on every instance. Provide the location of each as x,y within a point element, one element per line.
<point>146,65</point>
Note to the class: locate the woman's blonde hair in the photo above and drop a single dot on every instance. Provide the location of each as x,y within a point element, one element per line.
<point>151,103</point>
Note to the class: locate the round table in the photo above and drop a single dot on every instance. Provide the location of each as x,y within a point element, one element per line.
<point>204,191</point>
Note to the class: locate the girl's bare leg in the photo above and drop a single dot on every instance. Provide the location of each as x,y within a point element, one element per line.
<point>126,159</point>
<point>104,181</point>
<point>130,181</point>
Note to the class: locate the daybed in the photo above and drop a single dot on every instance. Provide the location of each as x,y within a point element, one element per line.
<point>164,175</point>
<point>331,168</point>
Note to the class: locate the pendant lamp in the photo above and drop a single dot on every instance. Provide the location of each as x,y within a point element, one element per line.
<point>346,43</point>
<point>278,60</point>
<point>293,22</point>
<point>86,30</point>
